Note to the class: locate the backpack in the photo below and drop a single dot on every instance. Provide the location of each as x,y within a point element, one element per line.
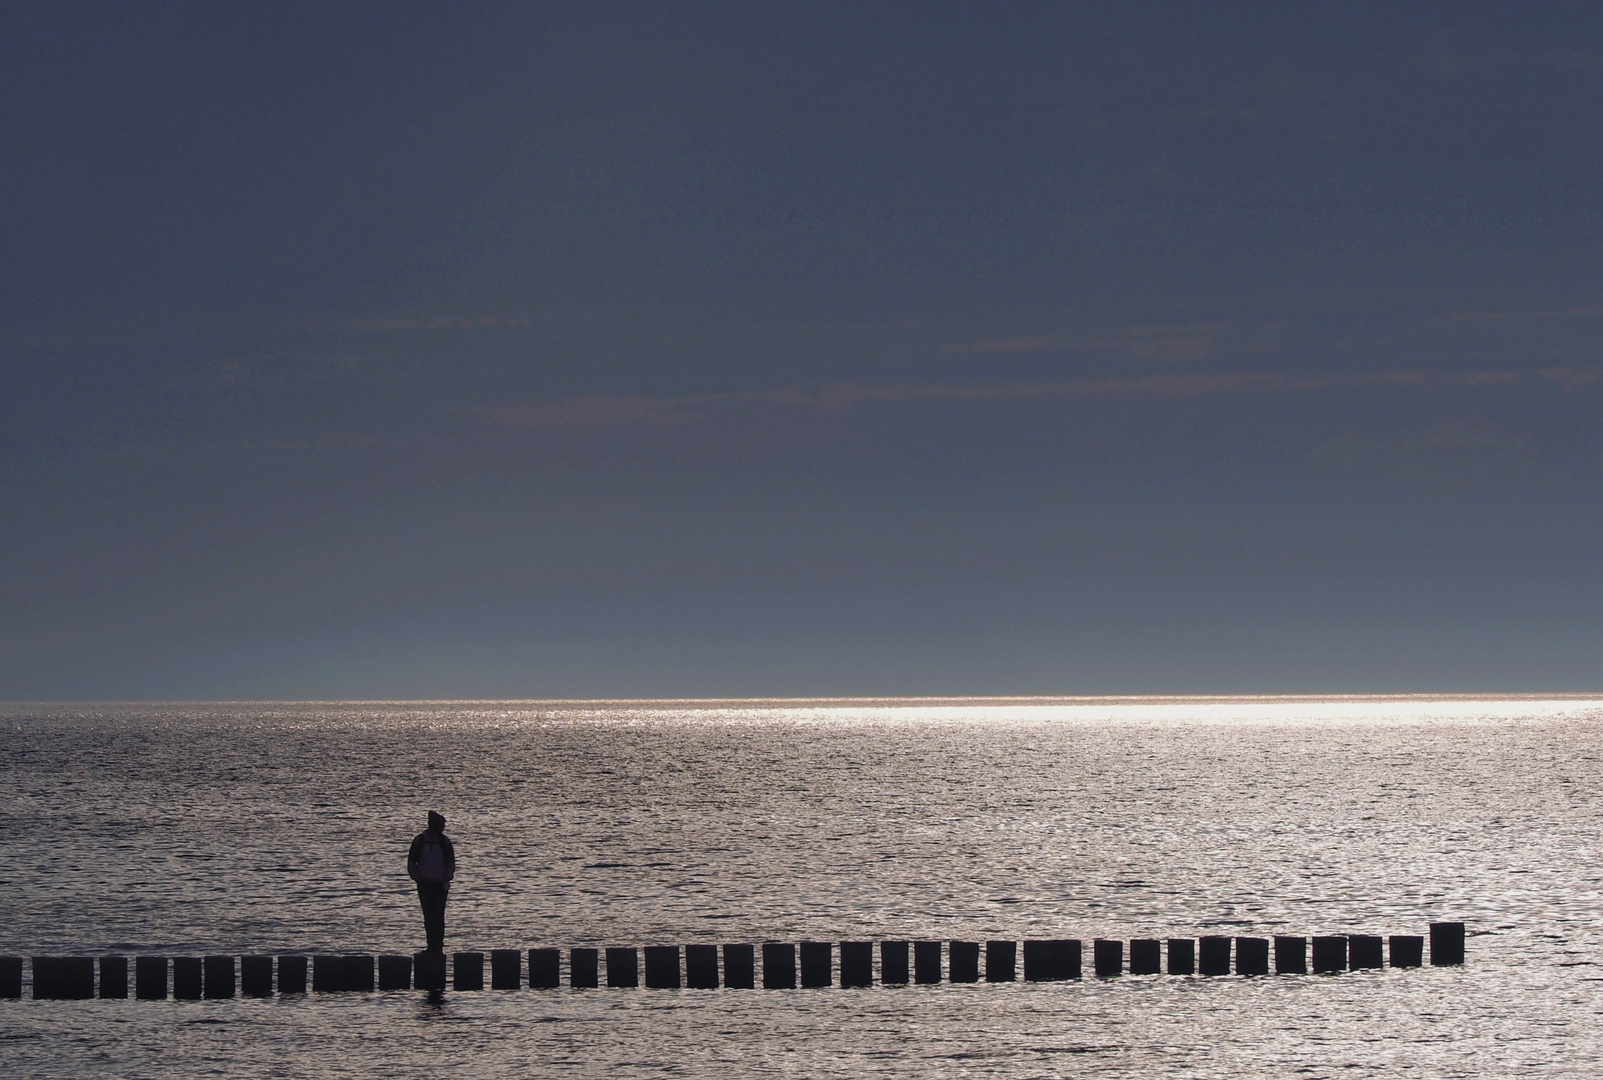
<point>431,860</point>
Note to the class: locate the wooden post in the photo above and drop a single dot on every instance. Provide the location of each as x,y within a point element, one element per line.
<point>150,977</point>
<point>1252,956</point>
<point>964,960</point>
<point>1407,950</point>
<point>1051,961</point>
<point>291,975</point>
<point>545,969</point>
<point>623,967</point>
<point>1330,954</point>
<point>1446,943</point>
<point>1001,961</point>
<point>893,963</point>
<point>219,976</point>
<point>1108,957</point>
<point>701,967</point>
<point>583,968</point>
<point>63,977</point>
<point>1364,951</point>
<point>467,971</point>
<point>856,963</point>
<point>1182,956</point>
<point>662,967</point>
<point>428,971</point>
<point>187,978</point>
<point>11,977</point>
<point>46,978</point>
<point>1146,956</point>
<point>817,964</point>
<point>256,976</point>
<point>926,963</point>
<point>1213,955</point>
<point>506,969</point>
<point>740,967</point>
<point>395,972</point>
<point>113,976</point>
<point>328,973</point>
<point>779,966</point>
<point>1291,955</point>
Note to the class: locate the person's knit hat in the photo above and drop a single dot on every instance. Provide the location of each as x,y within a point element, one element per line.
<point>436,821</point>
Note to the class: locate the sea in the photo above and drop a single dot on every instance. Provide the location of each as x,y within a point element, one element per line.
<point>196,828</point>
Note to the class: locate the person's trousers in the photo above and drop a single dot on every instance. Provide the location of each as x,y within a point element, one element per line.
<point>432,896</point>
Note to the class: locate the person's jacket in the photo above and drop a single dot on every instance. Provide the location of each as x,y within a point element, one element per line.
<point>432,859</point>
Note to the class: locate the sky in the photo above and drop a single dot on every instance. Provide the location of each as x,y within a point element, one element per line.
<point>615,350</point>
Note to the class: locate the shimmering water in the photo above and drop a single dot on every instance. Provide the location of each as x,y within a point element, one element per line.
<point>267,828</point>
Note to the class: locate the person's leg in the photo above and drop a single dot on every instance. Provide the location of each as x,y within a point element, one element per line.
<point>443,890</point>
<point>432,898</point>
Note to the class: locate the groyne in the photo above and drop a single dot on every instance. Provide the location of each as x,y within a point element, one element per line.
<point>783,965</point>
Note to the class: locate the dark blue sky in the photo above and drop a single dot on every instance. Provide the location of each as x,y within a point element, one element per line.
<point>615,350</point>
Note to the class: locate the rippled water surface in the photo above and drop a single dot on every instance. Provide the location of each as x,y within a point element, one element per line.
<point>269,828</point>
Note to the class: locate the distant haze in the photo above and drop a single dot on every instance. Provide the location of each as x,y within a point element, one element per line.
<point>420,350</point>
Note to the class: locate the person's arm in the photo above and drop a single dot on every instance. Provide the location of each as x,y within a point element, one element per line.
<point>450,859</point>
<point>412,857</point>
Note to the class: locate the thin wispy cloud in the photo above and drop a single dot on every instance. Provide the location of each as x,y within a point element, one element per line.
<point>596,411</point>
<point>1001,345</point>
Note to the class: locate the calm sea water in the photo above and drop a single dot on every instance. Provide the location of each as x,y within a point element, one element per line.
<point>265,828</point>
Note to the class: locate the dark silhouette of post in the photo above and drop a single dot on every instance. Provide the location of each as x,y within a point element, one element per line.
<point>817,964</point>
<point>291,975</point>
<point>1446,943</point>
<point>395,973</point>
<point>1146,956</point>
<point>256,976</point>
<point>150,978</point>
<point>583,968</point>
<point>856,963</point>
<point>740,967</point>
<point>1051,961</point>
<point>1407,950</point>
<point>431,863</point>
<point>1291,955</point>
<point>506,969</point>
<point>893,963</point>
<point>11,977</point>
<point>623,967</point>
<point>1365,951</point>
<point>467,971</point>
<point>779,966</point>
<point>1252,956</point>
<point>219,976</point>
<point>1213,955</point>
<point>545,969</point>
<point>428,971</point>
<point>1001,961</point>
<point>187,978</point>
<point>926,963</point>
<point>1330,954</point>
<point>963,959</point>
<point>359,973</point>
<point>1108,956</point>
<point>1182,956</point>
<point>701,967</point>
<point>662,967</point>
<point>114,977</point>
<point>63,977</point>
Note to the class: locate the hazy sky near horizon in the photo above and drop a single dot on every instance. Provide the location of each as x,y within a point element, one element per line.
<point>503,350</point>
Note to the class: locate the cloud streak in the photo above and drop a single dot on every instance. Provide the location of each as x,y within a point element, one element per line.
<point>600,411</point>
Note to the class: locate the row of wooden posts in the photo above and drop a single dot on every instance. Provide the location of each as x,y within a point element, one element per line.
<point>784,965</point>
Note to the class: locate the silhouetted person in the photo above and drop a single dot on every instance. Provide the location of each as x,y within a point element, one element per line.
<point>432,864</point>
